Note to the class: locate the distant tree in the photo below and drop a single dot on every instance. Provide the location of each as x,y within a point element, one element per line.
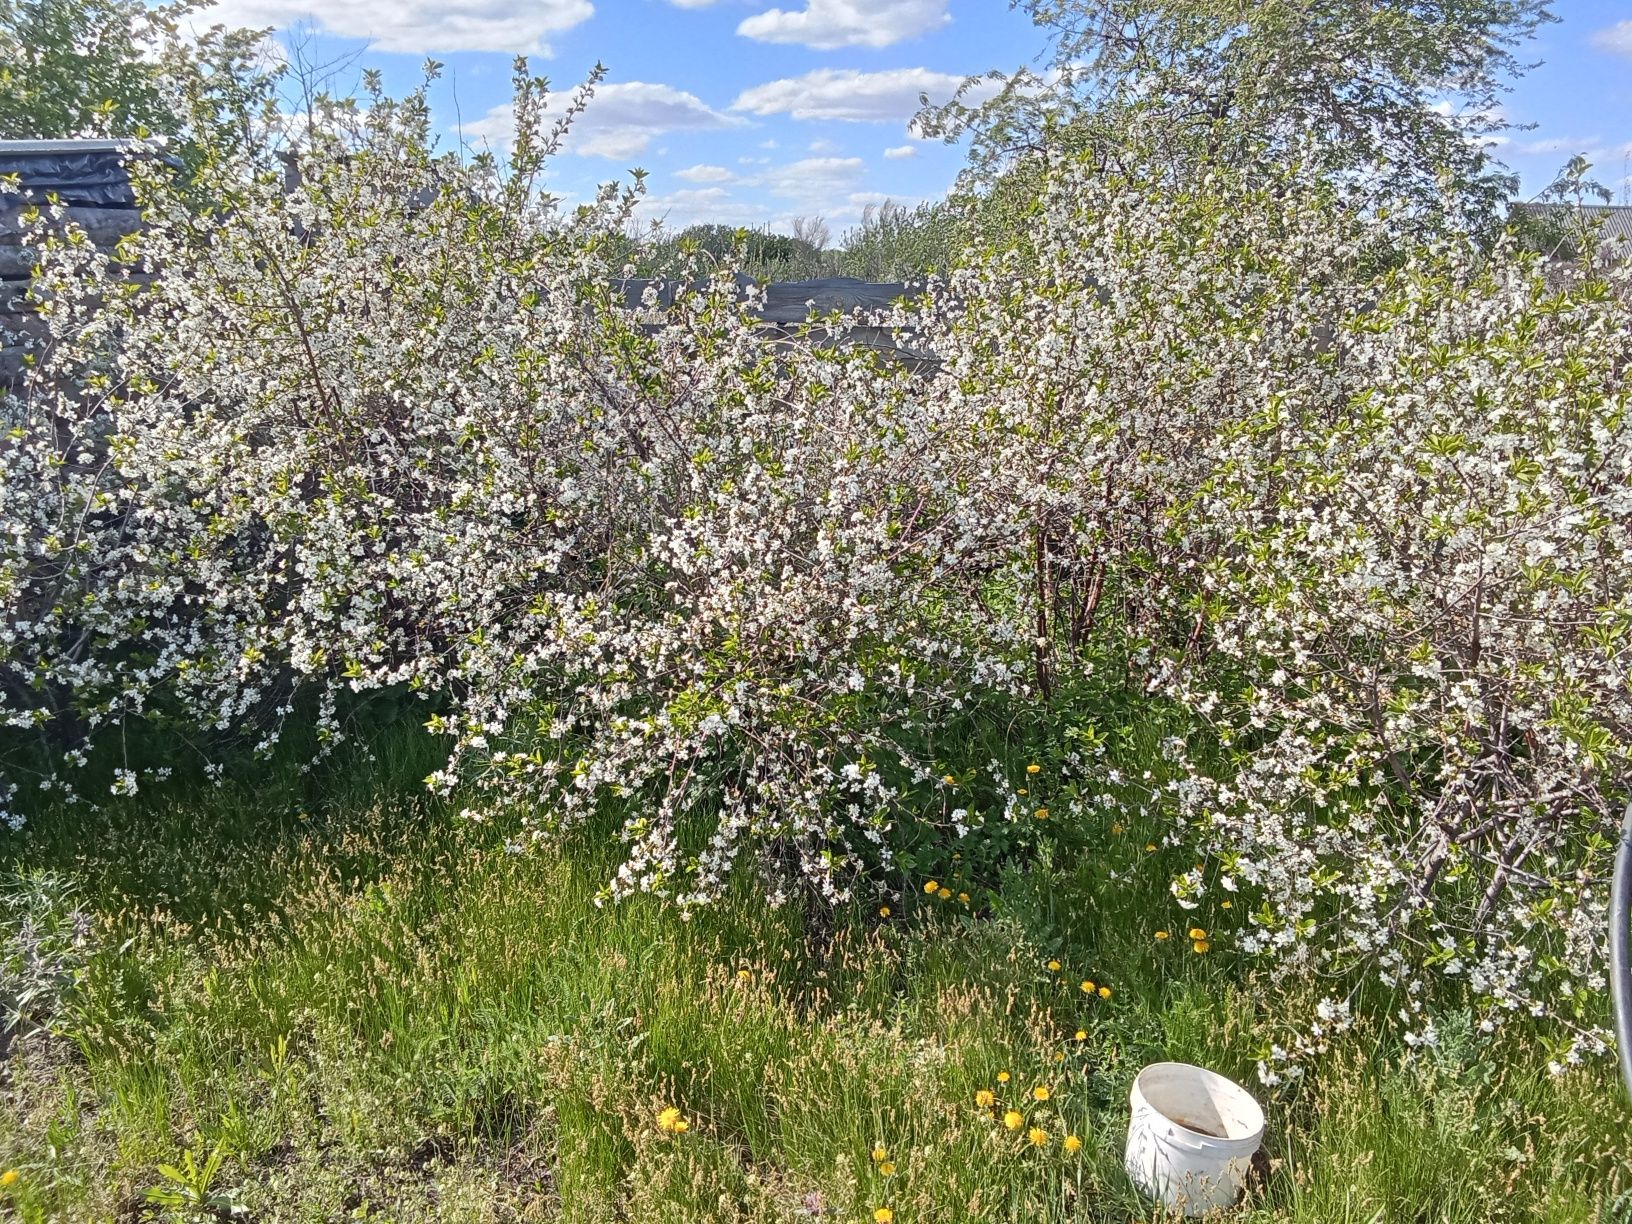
<point>119,68</point>
<point>762,254</point>
<point>812,230</point>
<point>897,243</point>
<point>84,67</point>
<point>1574,185</point>
<point>1394,98</point>
<point>891,243</point>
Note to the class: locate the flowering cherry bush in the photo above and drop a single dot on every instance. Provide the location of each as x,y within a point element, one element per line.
<point>1365,514</point>
<point>1357,516</point>
<point>391,429</point>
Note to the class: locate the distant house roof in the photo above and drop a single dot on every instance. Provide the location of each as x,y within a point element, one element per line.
<point>1611,221</point>
<point>89,173</point>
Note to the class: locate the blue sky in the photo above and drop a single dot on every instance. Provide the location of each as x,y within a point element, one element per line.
<point>753,112</point>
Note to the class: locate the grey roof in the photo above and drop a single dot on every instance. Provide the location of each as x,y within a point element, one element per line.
<point>77,146</point>
<point>796,301</point>
<point>1612,220</point>
<point>77,172</point>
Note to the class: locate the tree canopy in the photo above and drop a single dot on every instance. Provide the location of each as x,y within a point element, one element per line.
<point>120,68</point>
<point>1392,98</point>
<point>83,67</point>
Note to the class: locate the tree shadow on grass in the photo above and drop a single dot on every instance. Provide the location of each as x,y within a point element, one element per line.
<point>222,856</point>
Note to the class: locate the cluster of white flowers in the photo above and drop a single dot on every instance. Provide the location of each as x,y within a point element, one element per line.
<point>1362,514</point>
<point>1366,514</point>
<point>392,430</point>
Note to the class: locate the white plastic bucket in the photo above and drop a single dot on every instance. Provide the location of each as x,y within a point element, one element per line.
<point>1192,1136</point>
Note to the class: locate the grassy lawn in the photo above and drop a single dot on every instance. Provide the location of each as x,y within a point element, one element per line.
<point>364,1007</point>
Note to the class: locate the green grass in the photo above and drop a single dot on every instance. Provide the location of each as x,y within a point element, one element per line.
<point>335,1001</point>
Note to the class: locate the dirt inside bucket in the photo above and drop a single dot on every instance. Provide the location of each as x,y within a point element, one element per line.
<point>1198,1127</point>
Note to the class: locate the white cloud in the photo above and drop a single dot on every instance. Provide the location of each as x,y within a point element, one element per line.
<point>900,151</point>
<point>830,24</point>
<point>697,205</point>
<point>823,145</point>
<point>691,3</point>
<point>497,127</point>
<point>1616,39</point>
<point>705,174</point>
<point>815,181</point>
<point>1558,144</point>
<point>419,26</point>
<point>620,121</point>
<point>845,93</point>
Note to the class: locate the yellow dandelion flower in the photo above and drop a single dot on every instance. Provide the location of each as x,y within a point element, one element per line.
<point>1104,992</point>
<point>985,1099</point>
<point>1161,935</point>
<point>1116,828</point>
<point>1201,945</point>
<point>931,886</point>
<point>1197,933</point>
<point>883,911</point>
<point>1040,1093</point>
<point>883,1215</point>
<point>950,780</point>
<point>880,1154</point>
<point>1071,1143</point>
<point>1022,791</point>
<point>745,975</point>
<point>1038,1136</point>
<point>1150,847</point>
<point>943,892</point>
<point>671,1121</point>
<point>964,897</point>
<point>887,1168</point>
<point>1053,966</point>
<point>1226,905</point>
<point>10,1177</point>
<point>1087,986</point>
<point>1012,1119</point>
<point>1002,1077</point>
<point>1041,813</point>
<point>1034,768</point>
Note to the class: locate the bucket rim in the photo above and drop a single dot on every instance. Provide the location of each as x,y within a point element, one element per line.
<point>1254,1138</point>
